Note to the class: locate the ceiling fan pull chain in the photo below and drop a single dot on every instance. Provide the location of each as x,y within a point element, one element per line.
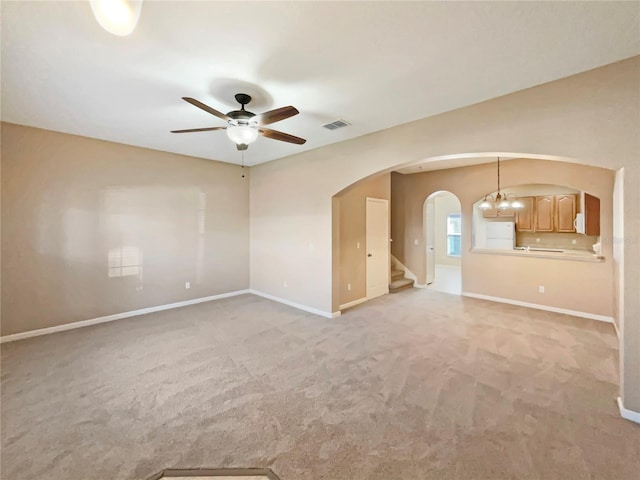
<point>242,153</point>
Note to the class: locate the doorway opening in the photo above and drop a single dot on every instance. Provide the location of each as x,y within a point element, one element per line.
<point>443,234</point>
<point>377,246</point>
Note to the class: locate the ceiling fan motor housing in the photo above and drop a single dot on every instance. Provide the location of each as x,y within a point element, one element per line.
<point>240,117</point>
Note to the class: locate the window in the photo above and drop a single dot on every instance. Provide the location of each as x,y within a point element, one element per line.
<point>454,229</point>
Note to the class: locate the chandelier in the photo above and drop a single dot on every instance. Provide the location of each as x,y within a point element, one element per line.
<point>501,200</point>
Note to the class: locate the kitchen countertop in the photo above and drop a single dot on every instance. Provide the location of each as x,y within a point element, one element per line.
<point>573,255</point>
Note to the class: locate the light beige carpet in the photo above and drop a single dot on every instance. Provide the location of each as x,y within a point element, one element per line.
<point>417,385</point>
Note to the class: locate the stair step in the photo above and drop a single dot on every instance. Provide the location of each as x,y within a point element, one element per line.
<point>397,274</point>
<point>401,284</point>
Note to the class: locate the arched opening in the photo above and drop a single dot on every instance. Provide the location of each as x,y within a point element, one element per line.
<point>443,242</point>
<point>470,177</point>
<point>354,255</point>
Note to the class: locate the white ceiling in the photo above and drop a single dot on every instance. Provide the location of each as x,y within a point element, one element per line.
<point>374,64</point>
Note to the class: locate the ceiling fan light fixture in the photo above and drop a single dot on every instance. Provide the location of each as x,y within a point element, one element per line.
<point>243,126</point>
<point>242,134</point>
<point>118,17</point>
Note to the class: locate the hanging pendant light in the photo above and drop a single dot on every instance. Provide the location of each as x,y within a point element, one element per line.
<point>500,201</point>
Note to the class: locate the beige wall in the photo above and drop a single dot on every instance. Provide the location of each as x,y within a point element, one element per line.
<point>580,286</point>
<point>444,205</point>
<point>591,118</point>
<point>93,228</point>
<point>353,258</point>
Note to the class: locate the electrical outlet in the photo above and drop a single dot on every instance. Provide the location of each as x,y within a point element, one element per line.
<point>357,244</point>
<point>541,289</point>
<point>349,286</point>
<point>537,240</point>
<point>187,285</point>
<point>415,242</point>
<point>574,241</point>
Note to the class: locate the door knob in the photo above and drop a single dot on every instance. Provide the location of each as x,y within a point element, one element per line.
<point>369,255</point>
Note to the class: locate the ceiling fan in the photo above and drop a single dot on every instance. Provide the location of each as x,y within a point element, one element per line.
<point>244,126</point>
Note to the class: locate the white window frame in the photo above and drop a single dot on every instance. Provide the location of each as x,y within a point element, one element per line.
<point>452,234</point>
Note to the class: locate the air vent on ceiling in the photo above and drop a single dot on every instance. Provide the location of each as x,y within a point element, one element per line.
<point>335,125</point>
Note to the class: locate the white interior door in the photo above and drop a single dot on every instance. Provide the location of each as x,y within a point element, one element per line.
<point>430,240</point>
<point>377,248</point>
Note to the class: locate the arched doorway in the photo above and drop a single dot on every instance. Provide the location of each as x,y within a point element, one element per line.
<point>443,242</point>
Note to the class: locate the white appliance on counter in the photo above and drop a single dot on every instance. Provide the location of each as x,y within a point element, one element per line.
<point>578,223</point>
<point>500,235</point>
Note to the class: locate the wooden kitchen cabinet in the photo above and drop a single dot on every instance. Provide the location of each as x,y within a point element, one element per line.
<point>552,213</point>
<point>524,215</point>
<point>565,213</point>
<point>544,213</point>
<point>591,210</point>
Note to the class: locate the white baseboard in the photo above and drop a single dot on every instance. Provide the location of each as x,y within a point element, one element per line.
<point>159,308</point>
<point>628,414</point>
<point>575,313</point>
<point>116,316</point>
<point>615,326</point>
<point>420,285</point>
<point>353,304</point>
<point>299,306</point>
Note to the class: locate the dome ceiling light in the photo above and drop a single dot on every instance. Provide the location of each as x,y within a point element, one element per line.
<point>118,17</point>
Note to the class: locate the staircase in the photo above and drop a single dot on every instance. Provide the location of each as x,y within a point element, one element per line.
<point>398,282</point>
